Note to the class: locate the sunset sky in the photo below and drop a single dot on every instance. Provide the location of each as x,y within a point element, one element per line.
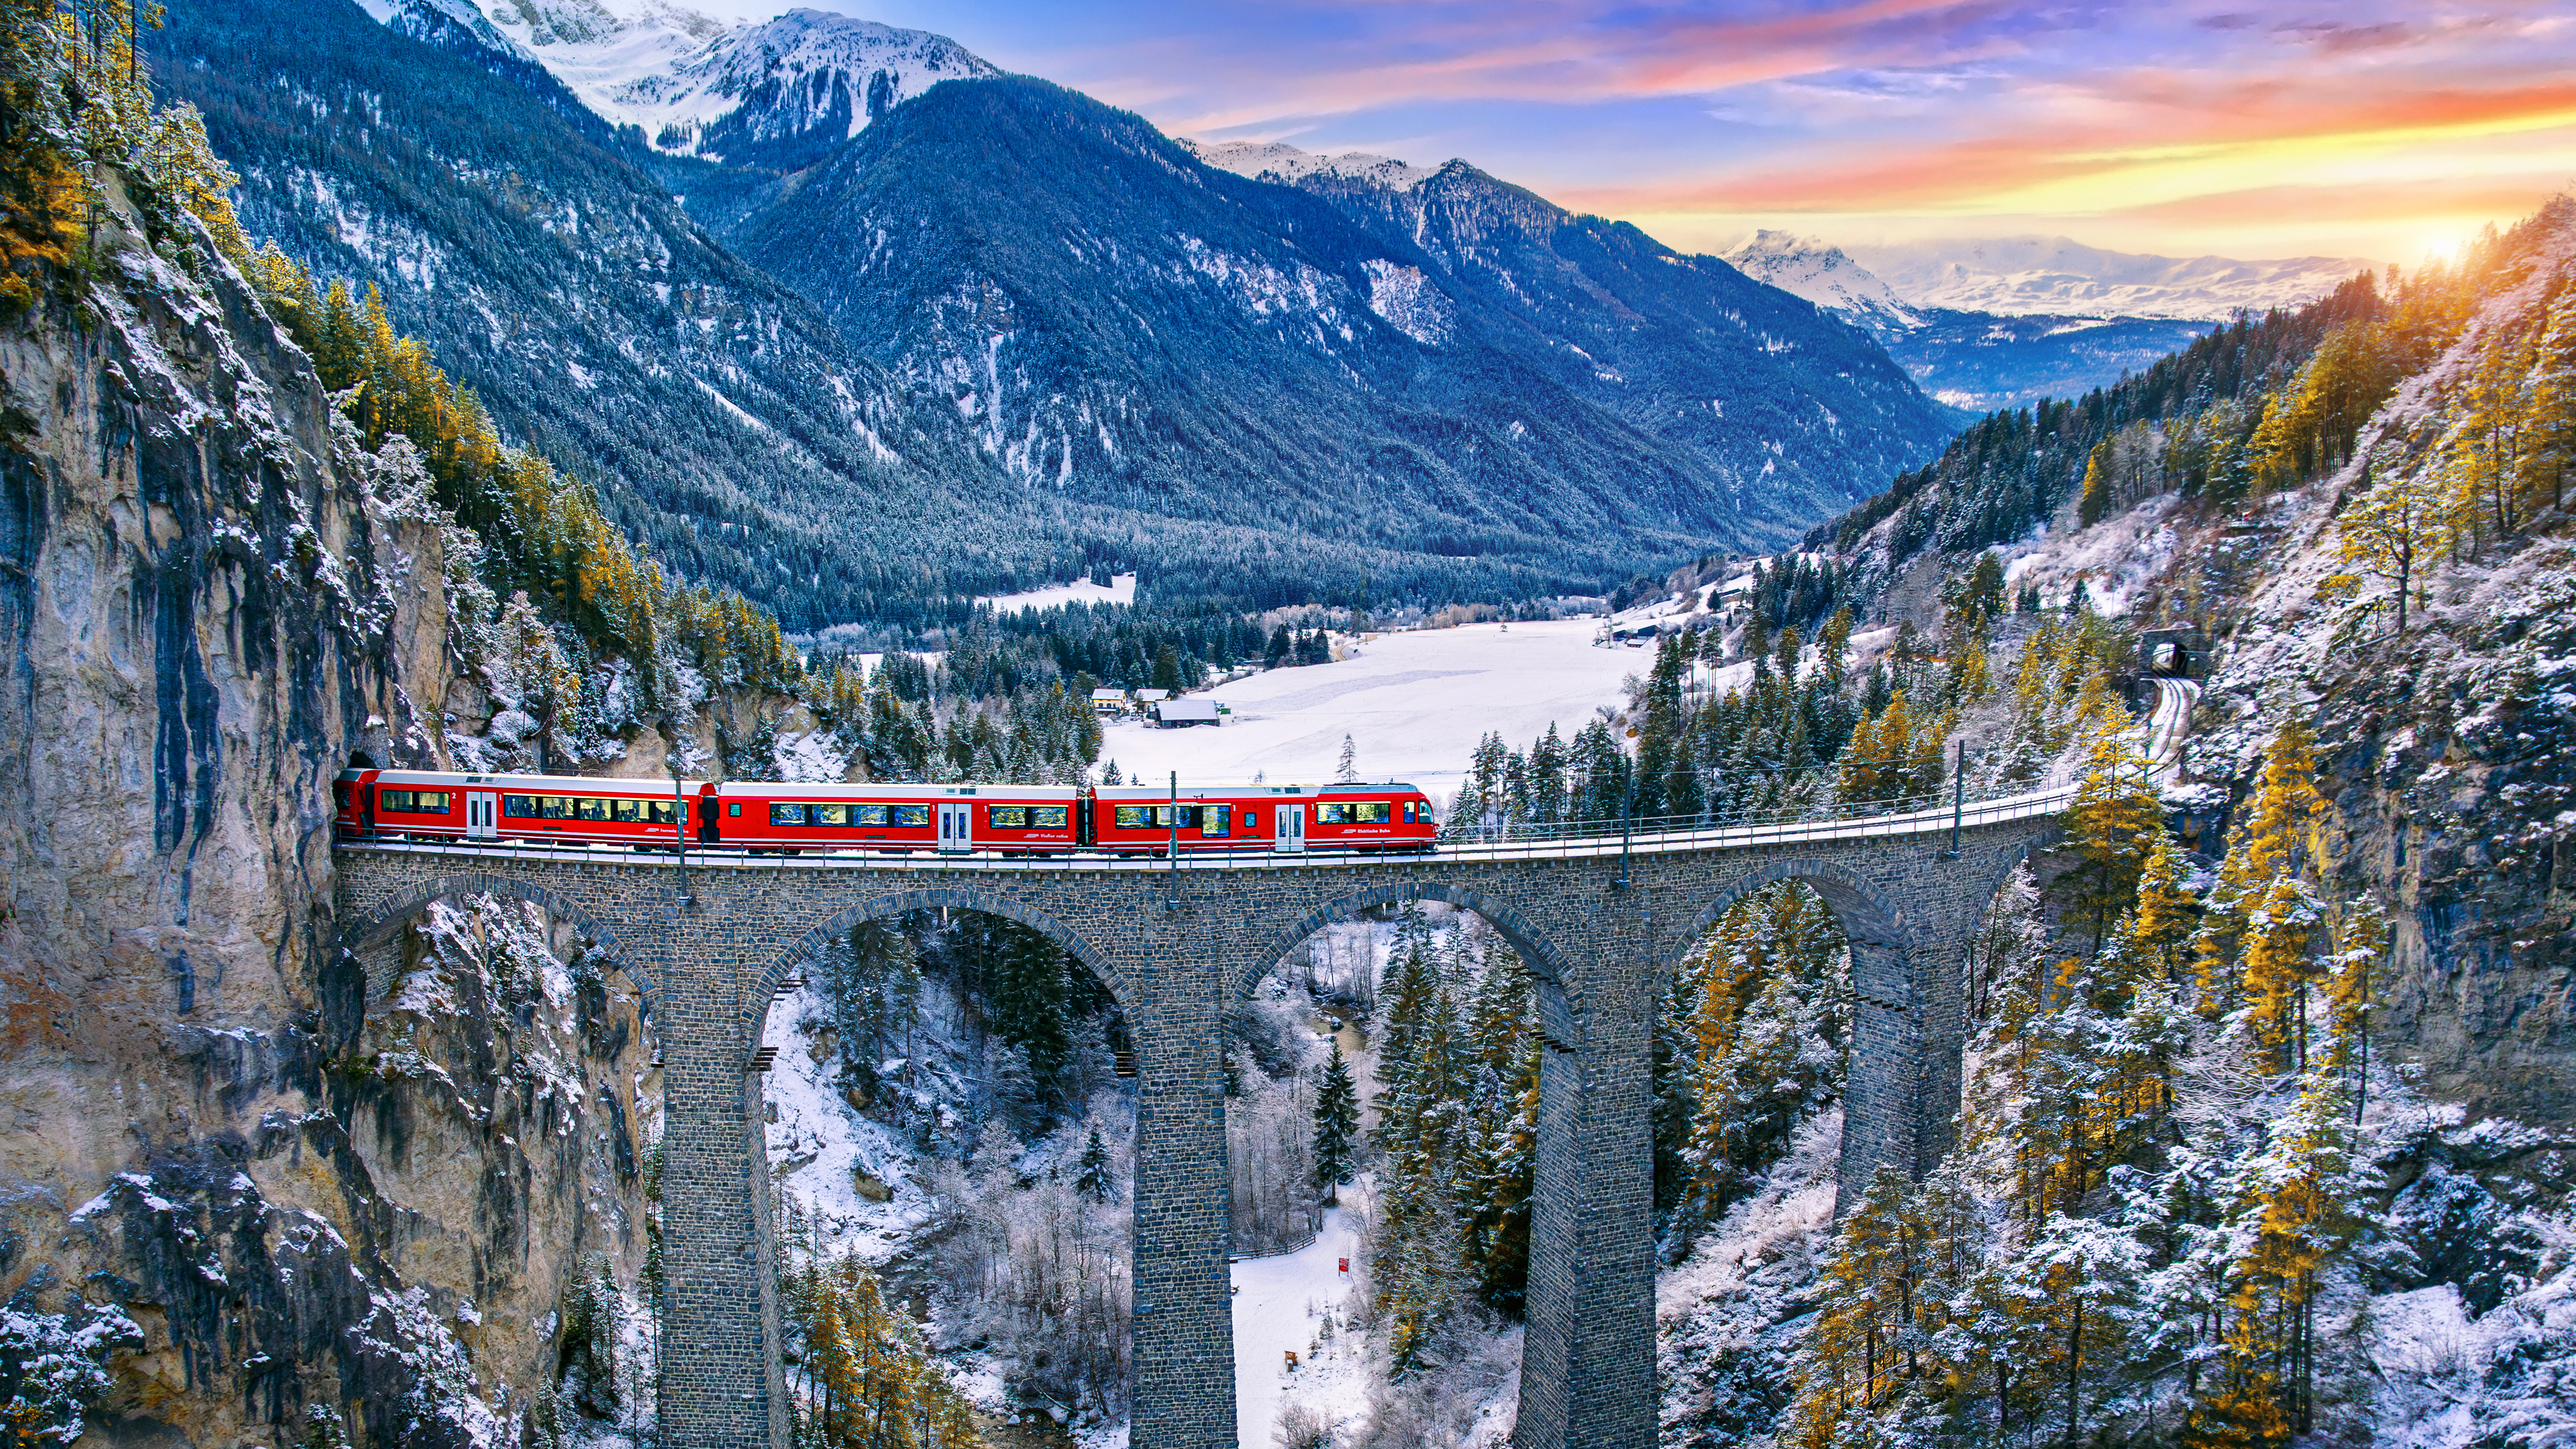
<point>2373,129</point>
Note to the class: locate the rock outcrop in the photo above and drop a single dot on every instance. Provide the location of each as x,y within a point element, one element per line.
<point>320,1218</point>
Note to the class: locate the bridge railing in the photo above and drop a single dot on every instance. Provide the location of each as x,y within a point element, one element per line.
<point>1920,815</point>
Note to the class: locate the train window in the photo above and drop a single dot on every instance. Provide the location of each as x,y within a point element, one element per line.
<point>733,807</point>
<point>340,794</point>
<point>590,808</point>
<point>831,814</point>
<point>554,807</point>
<point>523,807</point>
<point>1251,820</point>
<point>1007,817</point>
<point>1046,817</point>
<point>1333,812</point>
<point>870,815</point>
<point>1374,812</point>
<point>783,813</point>
<point>662,812</point>
<point>1214,821</point>
<point>912,815</point>
<point>629,810</point>
<point>1135,817</point>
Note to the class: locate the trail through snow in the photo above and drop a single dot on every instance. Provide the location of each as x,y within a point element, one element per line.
<point>1279,1303</point>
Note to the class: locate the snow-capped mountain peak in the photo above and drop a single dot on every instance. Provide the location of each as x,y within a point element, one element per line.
<point>775,92</point>
<point>1823,274</point>
<point>1284,162</point>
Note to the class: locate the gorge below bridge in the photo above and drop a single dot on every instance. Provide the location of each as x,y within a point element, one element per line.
<point>1600,922</point>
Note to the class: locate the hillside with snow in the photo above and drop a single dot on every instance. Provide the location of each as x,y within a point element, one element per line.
<point>1279,161</point>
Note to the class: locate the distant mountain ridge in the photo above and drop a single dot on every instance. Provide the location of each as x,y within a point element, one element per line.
<point>1969,359</point>
<point>1825,275</point>
<point>778,93</point>
<point>2021,275</point>
<point>1439,361</point>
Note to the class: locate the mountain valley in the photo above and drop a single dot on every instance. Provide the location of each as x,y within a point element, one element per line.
<point>593,408</point>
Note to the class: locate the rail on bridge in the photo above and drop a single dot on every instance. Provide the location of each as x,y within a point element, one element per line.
<point>1598,920</point>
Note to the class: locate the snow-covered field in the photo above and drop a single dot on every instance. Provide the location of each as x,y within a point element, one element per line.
<point>1279,1305</point>
<point>1121,589</point>
<point>1414,705</point>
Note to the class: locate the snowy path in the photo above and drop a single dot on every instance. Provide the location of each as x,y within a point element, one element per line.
<point>1278,1302</point>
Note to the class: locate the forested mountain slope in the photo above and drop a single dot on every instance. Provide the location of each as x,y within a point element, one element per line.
<point>2269,1068</point>
<point>723,421</point>
<point>1782,408</point>
<point>1124,324</point>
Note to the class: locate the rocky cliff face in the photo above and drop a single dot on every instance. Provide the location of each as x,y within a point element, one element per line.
<point>268,1207</point>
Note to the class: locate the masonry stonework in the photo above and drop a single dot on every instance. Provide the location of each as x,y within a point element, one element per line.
<point>1598,929</point>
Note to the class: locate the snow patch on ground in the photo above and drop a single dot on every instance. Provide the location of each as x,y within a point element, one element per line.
<point>1121,589</point>
<point>2113,558</point>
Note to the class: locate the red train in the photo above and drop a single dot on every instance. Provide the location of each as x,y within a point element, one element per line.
<point>896,819</point>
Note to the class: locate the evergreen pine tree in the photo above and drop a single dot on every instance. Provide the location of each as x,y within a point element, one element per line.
<point>2113,823</point>
<point>1095,1180</point>
<point>1337,1123</point>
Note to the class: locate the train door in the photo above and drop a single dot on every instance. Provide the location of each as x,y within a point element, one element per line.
<point>955,831</point>
<point>1291,817</point>
<point>480,808</point>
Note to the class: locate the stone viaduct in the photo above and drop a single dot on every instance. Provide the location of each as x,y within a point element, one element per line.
<point>1599,922</point>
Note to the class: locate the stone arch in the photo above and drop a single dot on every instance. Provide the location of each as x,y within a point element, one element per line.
<point>1546,961</point>
<point>379,926</point>
<point>2009,860</point>
<point>894,903</point>
<point>1894,1032</point>
<point>1858,907</point>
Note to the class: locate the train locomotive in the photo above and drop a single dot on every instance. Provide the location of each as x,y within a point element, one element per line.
<point>762,817</point>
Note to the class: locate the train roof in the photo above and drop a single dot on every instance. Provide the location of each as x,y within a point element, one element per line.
<point>1164,792</point>
<point>835,790</point>
<point>550,784</point>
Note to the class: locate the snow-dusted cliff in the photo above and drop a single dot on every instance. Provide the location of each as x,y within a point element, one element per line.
<point>269,1208</point>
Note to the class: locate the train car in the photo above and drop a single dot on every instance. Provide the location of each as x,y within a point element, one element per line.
<point>1020,819</point>
<point>1371,817</point>
<point>757,816</point>
<point>1140,819</point>
<point>439,805</point>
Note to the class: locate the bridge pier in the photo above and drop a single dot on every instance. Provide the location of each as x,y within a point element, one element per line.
<point>1182,1328</point>
<point>722,1383</point>
<point>1588,1352</point>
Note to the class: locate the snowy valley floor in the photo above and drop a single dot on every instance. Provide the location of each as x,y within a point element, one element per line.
<point>1281,1305</point>
<point>1414,705</point>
